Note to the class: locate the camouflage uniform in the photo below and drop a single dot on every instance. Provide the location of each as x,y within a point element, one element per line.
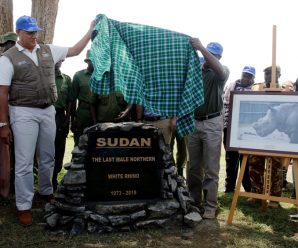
<point>256,171</point>
<point>63,84</point>
<point>257,167</point>
<point>82,93</point>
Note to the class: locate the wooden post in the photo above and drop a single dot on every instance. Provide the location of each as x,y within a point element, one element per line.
<point>267,180</point>
<point>273,66</point>
<point>295,168</point>
<point>265,196</point>
<point>237,190</point>
<point>273,71</point>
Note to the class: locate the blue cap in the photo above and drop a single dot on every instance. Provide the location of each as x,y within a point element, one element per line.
<point>202,60</point>
<point>27,23</point>
<point>250,70</point>
<point>215,48</point>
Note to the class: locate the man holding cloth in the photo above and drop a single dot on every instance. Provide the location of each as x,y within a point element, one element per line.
<point>204,144</point>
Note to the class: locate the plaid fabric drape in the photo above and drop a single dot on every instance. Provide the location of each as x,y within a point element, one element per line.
<point>153,67</point>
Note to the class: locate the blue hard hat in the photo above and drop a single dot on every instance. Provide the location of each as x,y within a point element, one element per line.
<point>250,70</point>
<point>215,48</point>
<point>27,23</point>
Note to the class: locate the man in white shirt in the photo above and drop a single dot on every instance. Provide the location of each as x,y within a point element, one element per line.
<point>27,91</point>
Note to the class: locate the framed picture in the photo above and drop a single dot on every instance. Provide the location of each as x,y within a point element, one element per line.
<point>263,121</point>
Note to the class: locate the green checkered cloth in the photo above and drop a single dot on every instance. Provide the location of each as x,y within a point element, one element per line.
<point>153,67</point>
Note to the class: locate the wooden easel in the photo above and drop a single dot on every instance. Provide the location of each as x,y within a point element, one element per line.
<point>267,181</point>
<point>268,159</point>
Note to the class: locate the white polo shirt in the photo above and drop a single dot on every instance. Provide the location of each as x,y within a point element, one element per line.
<point>6,67</point>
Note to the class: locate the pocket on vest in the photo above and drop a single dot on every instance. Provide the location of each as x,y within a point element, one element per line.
<point>25,95</point>
<point>47,70</point>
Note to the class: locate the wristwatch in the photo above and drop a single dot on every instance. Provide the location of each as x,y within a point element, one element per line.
<point>3,124</point>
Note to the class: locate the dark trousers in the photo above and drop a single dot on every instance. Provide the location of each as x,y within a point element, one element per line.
<point>60,142</point>
<point>181,153</point>
<point>233,162</point>
<point>256,171</point>
<point>82,120</point>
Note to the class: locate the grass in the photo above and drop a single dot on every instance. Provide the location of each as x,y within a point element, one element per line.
<point>251,227</point>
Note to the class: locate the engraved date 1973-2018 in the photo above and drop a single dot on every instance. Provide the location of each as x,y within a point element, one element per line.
<point>123,192</point>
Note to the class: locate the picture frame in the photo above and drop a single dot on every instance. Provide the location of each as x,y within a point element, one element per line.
<point>263,121</point>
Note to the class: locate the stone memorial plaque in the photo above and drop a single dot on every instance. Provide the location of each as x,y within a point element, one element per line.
<point>123,165</point>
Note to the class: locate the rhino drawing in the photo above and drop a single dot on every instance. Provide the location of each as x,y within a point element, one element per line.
<point>283,117</point>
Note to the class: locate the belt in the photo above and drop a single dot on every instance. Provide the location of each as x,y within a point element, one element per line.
<point>207,117</point>
<point>155,118</point>
<point>44,105</point>
<point>41,105</point>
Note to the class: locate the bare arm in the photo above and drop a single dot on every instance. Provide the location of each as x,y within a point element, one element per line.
<point>173,124</point>
<point>124,113</point>
<point>79,47</point>
<point>212,60</point>
<point>139,110</point>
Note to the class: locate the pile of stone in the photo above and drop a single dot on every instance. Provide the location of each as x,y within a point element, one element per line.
<point>73,213</point>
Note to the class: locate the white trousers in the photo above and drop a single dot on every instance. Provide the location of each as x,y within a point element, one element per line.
<point>34,129</point>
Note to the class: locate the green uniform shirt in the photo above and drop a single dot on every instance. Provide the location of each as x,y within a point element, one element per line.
<point>80,86</point>
<point>108,107</point>
<point>82,93</point>
<point>213,92</point>
<point>63,84</point>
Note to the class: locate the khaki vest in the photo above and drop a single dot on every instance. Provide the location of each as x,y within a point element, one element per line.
<point>32,86</point>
